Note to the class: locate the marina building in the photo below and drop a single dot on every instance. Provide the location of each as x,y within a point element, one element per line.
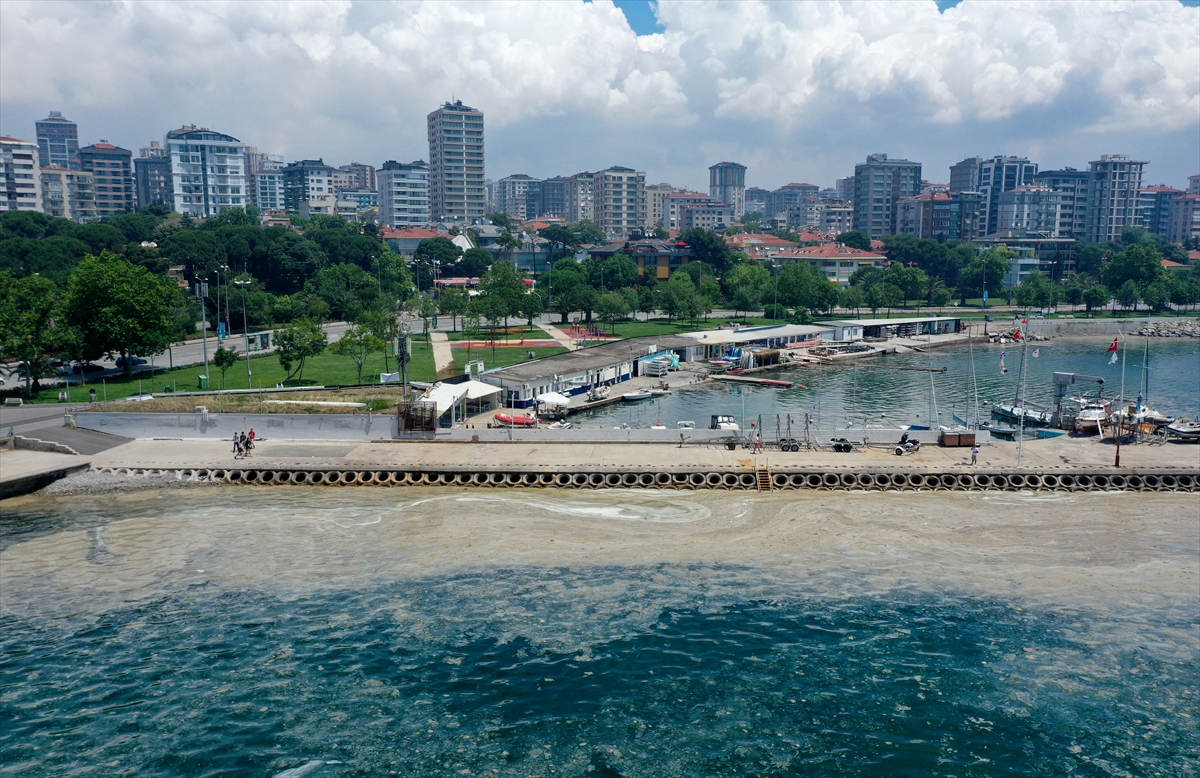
<point>575,372</point>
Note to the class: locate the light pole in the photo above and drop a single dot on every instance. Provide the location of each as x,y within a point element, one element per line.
<point>245,330</point>
<point>202,295</point>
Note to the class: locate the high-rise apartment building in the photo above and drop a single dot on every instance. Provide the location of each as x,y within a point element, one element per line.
<point>880,184</point>
<point>518,195</point>
<point>553,200</point>
<point>361,176</point>
<point>58,142</point>
<point>656,195</point>
<point>837,218</point>
<point>727,184</point>
<point>1070,193</point>
<point>580,194</point>
<point>403,194</point>
<point>1114,181</point>
<point>264,189</point>
<point>1194,184</point>
<point>713,215</point>
<point>208,171</point>
<point>1185,218</point>
<point>1029,209</point>
<point>787,196</point>
<point>619,200</point>
<point>22,190</point>
<point>304,180</point>
<point>152,175</point>
<point>845,189</point>
<point>1154,208</point>
<point>112,167</point>
<point>456,188</point>
<point>68,194</point>
<point>964,176</point>
<point>674,204</point>
<point>940,215</point>
<point>997,176</point>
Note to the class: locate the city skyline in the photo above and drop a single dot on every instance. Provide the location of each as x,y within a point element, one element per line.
<point>791,101</point>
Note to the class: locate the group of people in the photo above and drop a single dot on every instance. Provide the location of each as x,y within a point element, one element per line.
<point>243,444</point>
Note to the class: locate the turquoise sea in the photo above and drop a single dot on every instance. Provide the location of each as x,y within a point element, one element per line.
<point>247,631</point>
<point>847,393</point>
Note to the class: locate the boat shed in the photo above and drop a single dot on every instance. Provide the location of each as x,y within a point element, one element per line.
<point>913,327</point>
<point>575,372</point>
<point>452,402</point>
<point>718,343</point>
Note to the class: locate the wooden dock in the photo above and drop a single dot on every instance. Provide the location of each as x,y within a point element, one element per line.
<point>740,379</point>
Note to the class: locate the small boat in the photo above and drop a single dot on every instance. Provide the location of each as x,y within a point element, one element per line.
<point>1015,412</point>
<point>509,420</point>
<point>560,425</point>
<point>1089,417</point>
<point>1003,432</point>
<point>633,397</point>
<point>1184,428</point>
<point>1140,414</point>
<point>723,421</point>
<point>656,392</point>
<point>598,393</point>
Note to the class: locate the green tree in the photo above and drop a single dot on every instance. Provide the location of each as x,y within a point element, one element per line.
<point>531,306</point>
<point>611,273</point>
<point>1096,297</point>
<point>1140,264</point>
<point>119,308</point>
<point>1128,295</point>
<point>296,342</point>
<point>358,343</point>
<point>454,303</point>
<point>501,220</point>
<point>347,288</point>
<point>27,334</point>
<point>986,271</point>
<point>855,239</point>
<point>425,307</point>
<point>224,358</point>
<point>611,307</point>
<point>853,297</point>
<point>475,262</point>
<point>708,247</point>
<point>200,253</point>
<point>505,285</point>
<point>678,295</point>
<point>560,282</point>
<point>431,254</point>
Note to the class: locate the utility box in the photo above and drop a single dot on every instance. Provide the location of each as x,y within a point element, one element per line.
<point>957,439</point>
<point>203,381</point>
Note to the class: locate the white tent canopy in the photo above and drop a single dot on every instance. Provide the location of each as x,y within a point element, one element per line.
<point>445,396</point>
<point>552,398</point>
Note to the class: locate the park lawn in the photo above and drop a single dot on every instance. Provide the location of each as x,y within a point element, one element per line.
<point>503,357</point>
<point>325,369</point>
<point>514,333</point>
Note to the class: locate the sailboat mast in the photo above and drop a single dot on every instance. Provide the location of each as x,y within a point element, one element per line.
<point>974,382</point>
<point>1021,404</point>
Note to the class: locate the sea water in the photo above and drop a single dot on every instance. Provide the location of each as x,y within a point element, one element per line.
<point>873,391</point>
<point>248,631</point>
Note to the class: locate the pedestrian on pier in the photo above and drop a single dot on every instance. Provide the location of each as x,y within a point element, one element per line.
<point>757,442</point>
<point>237,447</point>
<point>974,453</point>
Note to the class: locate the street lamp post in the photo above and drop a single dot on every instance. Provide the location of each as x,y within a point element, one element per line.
<point>246,331</point>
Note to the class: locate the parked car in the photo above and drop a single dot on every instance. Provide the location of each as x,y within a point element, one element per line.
<point>87,367</point>
<point>133,361</point>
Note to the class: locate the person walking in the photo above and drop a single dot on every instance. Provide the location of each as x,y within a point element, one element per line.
<point>237,446</point>
<point>757,442</point>
<point>974,453</point>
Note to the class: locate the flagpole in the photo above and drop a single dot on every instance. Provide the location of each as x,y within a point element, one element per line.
<point>1124,350</point>
<point>1021,408</point>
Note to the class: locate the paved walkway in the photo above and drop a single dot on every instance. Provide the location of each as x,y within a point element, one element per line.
<point>563,338</point>
<point>443,357</point>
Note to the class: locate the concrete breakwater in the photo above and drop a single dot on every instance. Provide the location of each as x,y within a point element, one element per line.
<point>1089,479</point>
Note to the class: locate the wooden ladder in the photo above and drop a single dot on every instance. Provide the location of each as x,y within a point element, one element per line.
<point>764,478</point>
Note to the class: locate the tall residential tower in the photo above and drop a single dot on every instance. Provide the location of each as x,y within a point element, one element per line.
<point>727,184</point>
<point>58,142</point>
<point>456,188</point>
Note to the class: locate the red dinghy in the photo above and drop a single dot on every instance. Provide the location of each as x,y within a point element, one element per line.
<point>515,421</point>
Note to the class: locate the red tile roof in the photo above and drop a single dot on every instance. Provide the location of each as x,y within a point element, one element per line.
<point>758,239</point>
<point>1194,256</point>
<point>409,232</point>
<point>833,251</point>
<point>10,139</point>
<point>1169,263</point>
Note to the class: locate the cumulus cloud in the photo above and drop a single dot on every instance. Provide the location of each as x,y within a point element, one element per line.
<point>753,78</point>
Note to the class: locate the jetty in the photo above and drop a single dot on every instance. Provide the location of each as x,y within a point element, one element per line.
<point>744,379</point>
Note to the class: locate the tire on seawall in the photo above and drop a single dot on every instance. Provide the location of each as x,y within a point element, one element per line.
<point>712,480</point>
<point>780,481</point>
<point>848,480</point>
<point>1118,482</point>
<point>830,480</point>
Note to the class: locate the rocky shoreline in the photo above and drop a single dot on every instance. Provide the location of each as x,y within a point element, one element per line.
<point>94,482</point>
<point>1185,328</point>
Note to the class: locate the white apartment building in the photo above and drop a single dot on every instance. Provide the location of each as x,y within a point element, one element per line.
<point>517,195</point>
<point>673,205</point>
<point>837,218</point>
<point>1030,209</point>
<point>22,180</point>
<point>580,196</point>
<point>403,194</point>
<point>656,195</point>
<point>1114,181</point>
<point>619,200</point>
<point>266,189</point>
<point>710,216</point>
<point>69,194</point>
<point>208,172</point>
<point>997,176</point>
<point>456,161</point>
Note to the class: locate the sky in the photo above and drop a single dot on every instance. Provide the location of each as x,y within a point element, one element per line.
<point>797,92</point>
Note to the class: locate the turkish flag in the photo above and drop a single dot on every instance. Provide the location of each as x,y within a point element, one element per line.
<point>1113,347</point>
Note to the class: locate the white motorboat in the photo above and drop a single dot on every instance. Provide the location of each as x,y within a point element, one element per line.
<point>1184,428</point>
<point>1091,414</point>
<point>598,393</point>
<point>1140,414</point>
<point>632,397</point>
<point>723,421</point>
<point>1014,412</point>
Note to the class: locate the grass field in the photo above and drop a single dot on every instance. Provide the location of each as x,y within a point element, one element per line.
<point>503,357</point>
<point>324,370</point>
